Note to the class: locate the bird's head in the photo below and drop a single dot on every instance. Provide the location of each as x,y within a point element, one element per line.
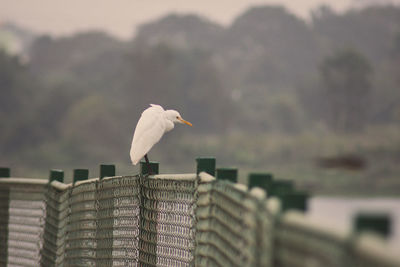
<point>175,117</point>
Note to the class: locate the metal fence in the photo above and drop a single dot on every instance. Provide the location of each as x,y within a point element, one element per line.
<point>22,216</point>
<point>168,220</point>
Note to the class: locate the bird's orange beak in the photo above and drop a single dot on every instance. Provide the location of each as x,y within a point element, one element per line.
<point>185,122</point>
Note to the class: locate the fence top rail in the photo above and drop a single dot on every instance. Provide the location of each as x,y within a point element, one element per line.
<point>374,246</point>
<point>88,181</point>
<point>273,205</point>
<point>240,187</point>
<point>60,186</point>
<point>258,193</point>
<point>300,221</point>
<point>15,180</point>
<point>185,176</point>
<point>205,177</point>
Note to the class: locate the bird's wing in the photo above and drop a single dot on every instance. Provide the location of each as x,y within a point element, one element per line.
<point>156,106</point>
<point>149,130</point>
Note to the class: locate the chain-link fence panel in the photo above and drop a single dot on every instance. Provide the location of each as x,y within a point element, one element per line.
<point>57,215</point>
<point>118,221</point>
<point>82,225</point>
<point>25,208</point>
<point>268,215</point>
<point>301,242</point>
<point>369,250</point>
<point>227,230</point>
<point>167,234</point>
<point>168,220</point>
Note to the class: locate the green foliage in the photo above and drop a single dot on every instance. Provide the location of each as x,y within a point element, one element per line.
<point>12,78</point>
<point>183,31</point>
<point>346,81</point>
<point>185,79</point>
<point>262,49</point>
<point>18,88</point>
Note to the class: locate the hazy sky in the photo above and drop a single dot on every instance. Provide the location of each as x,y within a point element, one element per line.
<point>120,17</point>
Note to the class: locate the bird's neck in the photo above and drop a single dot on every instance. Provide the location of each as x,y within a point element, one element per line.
<point>169,125</point>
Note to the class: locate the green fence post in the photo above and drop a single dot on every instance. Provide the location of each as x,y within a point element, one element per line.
<point>262,180</point>
<point>294,200</point>
<point>206,165</point>
<point>56,175</point>
<point>107,170</point>
<point>81,175</point>
<point>230,174</point>
<point>4,218</point>
<point>280,187</point>
<point>377,222</point>
<point>4,172</point>
<point>154,166</point>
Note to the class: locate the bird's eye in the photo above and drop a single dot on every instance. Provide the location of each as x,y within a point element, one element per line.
<point>177,117</point>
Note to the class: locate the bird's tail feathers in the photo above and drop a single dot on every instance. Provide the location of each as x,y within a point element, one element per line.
<point>134,159</point>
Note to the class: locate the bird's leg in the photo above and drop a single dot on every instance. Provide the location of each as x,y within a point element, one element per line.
<point>150,172</point>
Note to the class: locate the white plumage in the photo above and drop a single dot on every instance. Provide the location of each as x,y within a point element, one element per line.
<point>153,123</point>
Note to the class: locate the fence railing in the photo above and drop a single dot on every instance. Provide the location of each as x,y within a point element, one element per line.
<point>172,220</point>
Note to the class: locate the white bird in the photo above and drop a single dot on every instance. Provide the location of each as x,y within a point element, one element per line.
<point>154,122</point>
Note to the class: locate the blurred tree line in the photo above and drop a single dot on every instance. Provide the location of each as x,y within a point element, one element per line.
<point>79,97</point>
